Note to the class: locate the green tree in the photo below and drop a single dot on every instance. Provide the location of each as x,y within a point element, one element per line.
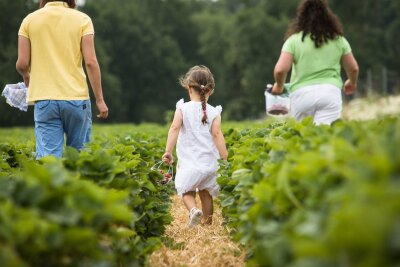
<point>144,46</point>
<point>145,60</point>
<point>12,14</point>
<point>242,40</point>
<point>371,27</point>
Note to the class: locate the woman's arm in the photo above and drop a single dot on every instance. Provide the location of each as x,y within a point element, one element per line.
<point>24,58</point>
<point>282,67</point>
<point>350,66</point>
<point>93,71</point>
<point>172,137</point>
<point>218,137</point>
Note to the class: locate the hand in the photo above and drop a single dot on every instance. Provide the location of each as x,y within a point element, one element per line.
<point>349,88</point>
<point>276,89</point>
<point>224,156</point>
<point>103,109</point>
<point>26,80</point>
<point>168,158</point>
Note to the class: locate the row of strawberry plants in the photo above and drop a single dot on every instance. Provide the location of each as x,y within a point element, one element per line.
<point>303,195</point>
<point>100,207</point>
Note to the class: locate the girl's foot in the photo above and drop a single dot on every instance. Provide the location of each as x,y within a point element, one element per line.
<point>194,217</point>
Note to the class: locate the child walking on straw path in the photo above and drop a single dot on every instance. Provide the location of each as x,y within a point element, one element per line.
<point>196,131</point>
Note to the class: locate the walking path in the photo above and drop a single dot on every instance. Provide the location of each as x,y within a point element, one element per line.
<point>199,246</point>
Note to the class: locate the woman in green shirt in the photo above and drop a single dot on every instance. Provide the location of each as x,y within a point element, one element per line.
<point>316,49</point>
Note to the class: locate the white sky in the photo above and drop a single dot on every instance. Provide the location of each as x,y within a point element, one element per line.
<point>80,2</point>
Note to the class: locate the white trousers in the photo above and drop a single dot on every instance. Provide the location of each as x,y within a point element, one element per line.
<point>321,101</point>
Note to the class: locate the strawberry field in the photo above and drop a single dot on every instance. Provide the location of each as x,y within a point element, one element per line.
<point>292,194</point>
<point>100,207</point>
<point>300,195</point>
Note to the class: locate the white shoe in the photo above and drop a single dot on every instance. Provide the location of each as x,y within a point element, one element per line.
<point>194,217</point>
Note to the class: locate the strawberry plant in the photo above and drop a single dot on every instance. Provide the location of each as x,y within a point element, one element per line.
<point>305,195</point>
<point>119,163</point>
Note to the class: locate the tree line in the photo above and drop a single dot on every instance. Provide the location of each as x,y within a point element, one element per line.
<point>144,46</point>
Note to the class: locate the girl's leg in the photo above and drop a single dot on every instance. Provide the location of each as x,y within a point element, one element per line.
<point>189,199</point>
<point>206,205</point>
<point>195,214</point>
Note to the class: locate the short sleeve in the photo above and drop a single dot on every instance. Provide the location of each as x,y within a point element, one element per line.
<point>219,109</point>
<point>179,104</point>
<point>289,45</point>
<point>23,30</point>
<point>346,48</point>
<point>87,26</point>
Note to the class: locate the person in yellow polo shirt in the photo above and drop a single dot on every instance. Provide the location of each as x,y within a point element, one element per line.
<point>51,45</point>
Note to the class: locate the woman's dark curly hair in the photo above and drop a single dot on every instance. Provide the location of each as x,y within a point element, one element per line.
<point>314,17</point>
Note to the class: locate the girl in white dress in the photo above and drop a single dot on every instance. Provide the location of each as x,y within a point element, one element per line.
<point>196,131</point>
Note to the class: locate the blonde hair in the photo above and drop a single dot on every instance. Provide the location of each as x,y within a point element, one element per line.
<point>200,79</point>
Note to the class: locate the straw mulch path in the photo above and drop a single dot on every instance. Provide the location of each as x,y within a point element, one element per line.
<point>200,246</point>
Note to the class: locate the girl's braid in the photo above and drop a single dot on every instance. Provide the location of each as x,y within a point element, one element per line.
<point>203,91</point>
<point>200,79</point>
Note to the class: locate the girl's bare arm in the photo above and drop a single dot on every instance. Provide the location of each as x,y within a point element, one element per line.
<point>218,137</point>
<point>172,137</point>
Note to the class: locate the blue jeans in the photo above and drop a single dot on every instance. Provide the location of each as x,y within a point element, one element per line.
<point>54,118</point>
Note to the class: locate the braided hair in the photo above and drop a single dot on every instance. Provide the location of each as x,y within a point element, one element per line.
<point>200,79</point>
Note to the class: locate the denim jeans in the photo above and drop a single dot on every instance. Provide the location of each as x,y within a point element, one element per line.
<point>54,118</point>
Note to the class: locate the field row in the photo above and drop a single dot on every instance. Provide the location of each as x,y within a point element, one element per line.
<point>294,194</point>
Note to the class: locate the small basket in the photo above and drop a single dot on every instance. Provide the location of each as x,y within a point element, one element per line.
<point>168,174</point>
<point>277,105</point>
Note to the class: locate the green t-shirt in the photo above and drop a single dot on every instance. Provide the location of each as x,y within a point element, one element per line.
<point>313,65</point>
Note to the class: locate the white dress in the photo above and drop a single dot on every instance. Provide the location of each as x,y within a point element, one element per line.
<point>197,154</point>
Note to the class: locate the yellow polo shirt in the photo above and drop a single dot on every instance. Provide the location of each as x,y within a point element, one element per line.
<point>55,33</point>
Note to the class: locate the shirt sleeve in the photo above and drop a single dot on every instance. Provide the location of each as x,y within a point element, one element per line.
<point>289,45</point>
<point>346,48</point>
<point>87,26</point>
<point>23,29</point>
<point>214,112</point>
<point>179,104</point>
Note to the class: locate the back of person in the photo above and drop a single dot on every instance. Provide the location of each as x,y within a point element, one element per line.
<point>196,130</point>
<point>314,65</point>
<point>195,143</point>
<point>55,33</point>
<point>316,49</point>
<point>52,42</point>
